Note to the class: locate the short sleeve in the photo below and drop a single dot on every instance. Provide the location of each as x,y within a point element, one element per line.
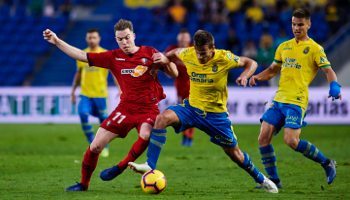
<point>232,60</point>
<point>321,58</point>
<point>183,53</point>
<point>278,56</point>
<point>100,59</point>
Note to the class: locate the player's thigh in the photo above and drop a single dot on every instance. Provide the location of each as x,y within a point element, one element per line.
<point>218,126</point>
<point>167,118</point>
<point>84,106</point>
<point>183,117</point>
<point>267,132</point>
<point>120,122</point>
<point>146,123</point>
<point>274,116</point>
<point>102,138</point>
<point>291,137</point>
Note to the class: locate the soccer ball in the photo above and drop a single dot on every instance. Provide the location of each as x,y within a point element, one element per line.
<point>153,182</point>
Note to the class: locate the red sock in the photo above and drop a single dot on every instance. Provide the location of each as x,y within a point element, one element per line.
<point>189,133</point>
<point>88,166</point>
<point>136,150</point>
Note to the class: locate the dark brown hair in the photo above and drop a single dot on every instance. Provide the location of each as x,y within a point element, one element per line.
<point>302,13</point>
<point>93,30</point>
<point>202,38</point>
<point>123,24</point>
<point>184,30</point>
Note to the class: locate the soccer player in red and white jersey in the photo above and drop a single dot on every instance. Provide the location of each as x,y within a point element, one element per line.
<point>182,81</point>
<point>138,107</point>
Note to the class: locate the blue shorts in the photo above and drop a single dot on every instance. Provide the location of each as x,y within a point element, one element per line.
<point>284,114</point>
<point>216,125</point>
<point>94,106</point>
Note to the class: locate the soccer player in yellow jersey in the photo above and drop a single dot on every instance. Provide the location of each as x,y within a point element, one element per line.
<point>299,60</point>
<point>93,83</point>
<point>206,108</point>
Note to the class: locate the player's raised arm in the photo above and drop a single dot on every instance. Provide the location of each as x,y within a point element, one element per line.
<point>249,66</point>
<point>267,74</point>
<point>161,60</point>
<point>334,90</point>
<point>66,48</point>
<point>174,54</point>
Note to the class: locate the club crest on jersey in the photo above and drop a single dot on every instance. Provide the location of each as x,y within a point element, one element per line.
<point>215,67</point>
<point>138,71</point>
<point>306,50</point>
<point>144,60</point>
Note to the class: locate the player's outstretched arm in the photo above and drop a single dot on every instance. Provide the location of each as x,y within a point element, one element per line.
<point>249,66</point>
<point>334,90</point>
<point>66,48</point>
<point>174,54</point>
<point>267,74</point>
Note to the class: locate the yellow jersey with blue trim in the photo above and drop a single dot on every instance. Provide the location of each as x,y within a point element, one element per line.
<point>93,81</point>
<point>208,82</point>
<point>299,64</point>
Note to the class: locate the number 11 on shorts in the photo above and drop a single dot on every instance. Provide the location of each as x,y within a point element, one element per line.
<point>122,117</point>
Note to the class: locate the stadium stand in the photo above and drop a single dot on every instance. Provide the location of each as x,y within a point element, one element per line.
<point>153,27</point>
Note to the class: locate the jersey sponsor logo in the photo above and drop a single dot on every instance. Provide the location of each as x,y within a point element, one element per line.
<point>121,59</point>
<point>291,62</point>
<point>215,67</point>
<point>144,60</point>
<point>323,59</point>
<point>229,55</point>
<point>192,63</point>
<point>288,48</point>
<point>200,78</point>
<point>306,50</point>
<point>138,71</point>
<point>322,50</point>
<point>185,51</point>
<point>293,118</point>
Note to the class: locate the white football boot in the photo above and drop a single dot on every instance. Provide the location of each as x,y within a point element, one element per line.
<point>139,168</point>
<point>269,186</point>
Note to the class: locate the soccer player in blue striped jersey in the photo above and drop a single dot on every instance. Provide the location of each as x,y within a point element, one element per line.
<point>299,60</point>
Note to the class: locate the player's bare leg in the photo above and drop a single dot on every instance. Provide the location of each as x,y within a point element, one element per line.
<point>136,150</point>
<point>267,152</point>
<point>291,138</point>
<point>244,161</point>
<point>103,137</point>
<point>157,140</point>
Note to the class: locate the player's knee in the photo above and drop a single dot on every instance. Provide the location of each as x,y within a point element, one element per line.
<point>291,142</point>
<point>83,116</point>
<point>94,146</point>
<point>162,120</point>
<point>145,135</point>
<point>263,140</point>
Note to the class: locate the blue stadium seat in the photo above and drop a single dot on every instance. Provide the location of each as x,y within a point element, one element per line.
<point>274,29</point>
<point>21,10</point>
<point>5,10</point>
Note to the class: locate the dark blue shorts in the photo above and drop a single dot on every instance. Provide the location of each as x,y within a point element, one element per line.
<point>284,114</point>
<point>217,125</point>
<point>93,106</point>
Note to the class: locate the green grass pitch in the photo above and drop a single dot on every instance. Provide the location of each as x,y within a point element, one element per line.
<point>38,161</point>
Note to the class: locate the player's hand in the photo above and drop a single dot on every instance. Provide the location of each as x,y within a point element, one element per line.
<point>160,58</point>
<point>50,36</point>
<point>242,81</point>
<point>339,97</point>
<point>73,98</point>
<point>154,72</point>
<point>253,80</point>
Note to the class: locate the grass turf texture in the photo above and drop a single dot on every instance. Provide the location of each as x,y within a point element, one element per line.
<point>39,161</point>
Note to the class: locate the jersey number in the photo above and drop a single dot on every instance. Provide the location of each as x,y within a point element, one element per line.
<point>122,117</point>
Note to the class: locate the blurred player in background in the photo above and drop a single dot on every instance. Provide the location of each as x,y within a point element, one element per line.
<point>206,107</point>
<point>138,107</point>
<point>299,60</point>
<point>182,82</point>
<point>93,93</point>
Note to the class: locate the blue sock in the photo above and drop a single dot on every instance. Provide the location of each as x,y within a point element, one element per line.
<point>251,169</point>
<point>155,145</point>
<point>268,159</point>
<point>310,151</point>
<point>88,131</point>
